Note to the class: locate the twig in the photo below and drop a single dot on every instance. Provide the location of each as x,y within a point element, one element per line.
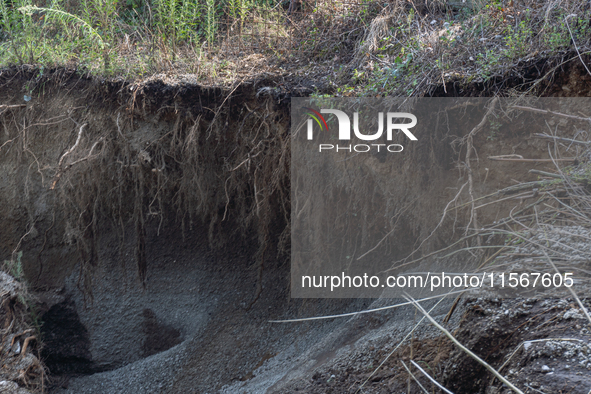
<point>521,195</point>
<point>522,160</point>
<point>430,378</point>
<point>462,347</point>
<point>469,148</point>
<point>13,106</point>
<point>585,311</point>
<point>391,231</point>
<point>7,142</point>
<point>574,43</point>
<point>401,342</point>
<point>544,173</point>
<point>415,379</point>
<point>536,390</point>
<point>571,141</point>
<point>447,317</point>
<point>364,311</point>
<point>522,186</point>
<point>548,112</point>
<point>445,210</point>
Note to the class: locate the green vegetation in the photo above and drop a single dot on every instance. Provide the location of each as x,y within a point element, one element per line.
<point>446,44</point>
<point>374,48</point>
<point>131,38</point>
<point>15,267</point>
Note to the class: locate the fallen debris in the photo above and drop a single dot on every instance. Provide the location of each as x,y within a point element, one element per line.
<point>22,372</point>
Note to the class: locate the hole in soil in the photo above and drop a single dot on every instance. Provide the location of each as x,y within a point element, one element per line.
<point>67,344</point>
<point>66,347</point>
<point>158,337</point>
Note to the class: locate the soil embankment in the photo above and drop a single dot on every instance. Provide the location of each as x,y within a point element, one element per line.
<point>153,221</point>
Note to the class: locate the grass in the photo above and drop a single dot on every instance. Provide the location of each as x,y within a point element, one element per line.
<point>376,48</point>
<point>106,37</point>
<point>15,267</point>
<point>438,45</point>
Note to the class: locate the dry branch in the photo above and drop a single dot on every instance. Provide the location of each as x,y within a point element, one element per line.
<point>414,377</point>
<point>575,43</point>
<point>548,112</point>
<point>570,141</point>
<point>585,311</point>
<point>411,332</point>
<point>430,378</point>
<point>522,186</point>
<point>462,347</point>
<point>12,106</point>
<point>544,173</point>
<point>522,160</point>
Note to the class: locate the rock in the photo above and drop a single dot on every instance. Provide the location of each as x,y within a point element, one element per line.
<point>8,387</point>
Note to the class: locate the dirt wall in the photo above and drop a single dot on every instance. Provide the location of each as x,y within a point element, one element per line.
<point>81,157</point>
<point>163,206</point>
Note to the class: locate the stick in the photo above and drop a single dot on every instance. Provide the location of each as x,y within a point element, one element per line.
<point>415,379</point>
<point>571,141</point>
<point>548,112</point>
<point>544,173</point>
<point>500,158</point>
<point>522,186</point>
<point>469,147</point>
<point>364,311</point>
<point>12,106</point>
<point>569,288</point>
<point>462,347</point>
<point>574,43</point>
<point>430,378</point>
<point>399,344</point>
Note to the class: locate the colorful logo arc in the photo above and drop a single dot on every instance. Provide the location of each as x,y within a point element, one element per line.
<point>316,115</point>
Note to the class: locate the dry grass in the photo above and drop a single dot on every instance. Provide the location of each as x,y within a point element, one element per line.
<point>550,233</point>
<point>415,50</point>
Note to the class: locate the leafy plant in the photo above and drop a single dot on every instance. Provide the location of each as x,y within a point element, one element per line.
<point>70,20</point>
<point>517,39</point>
<point>15,267</point>
<point>66,18</point>
<point>238,9</point>
<point>210,21</point>
<point>488,61</point>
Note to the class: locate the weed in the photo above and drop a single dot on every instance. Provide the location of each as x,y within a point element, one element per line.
<point>66,19</point>
<point>210,22</point>
<point>517,40</point>
<point>488,62</point>
<point>135,38</point>
<point>15,267</point>
<point>494,127</point>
